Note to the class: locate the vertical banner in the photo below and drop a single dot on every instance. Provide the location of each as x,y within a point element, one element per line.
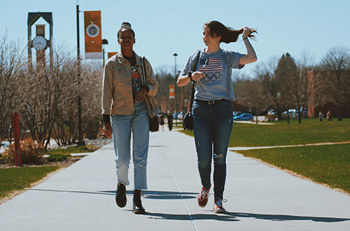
<point>93,35</point>
<point>171,91</point>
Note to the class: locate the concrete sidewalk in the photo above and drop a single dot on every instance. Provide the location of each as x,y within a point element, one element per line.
<point>259,197</point>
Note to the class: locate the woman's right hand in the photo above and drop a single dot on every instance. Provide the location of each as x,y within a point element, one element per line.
<point>107,129</point>
<point>197,75</point>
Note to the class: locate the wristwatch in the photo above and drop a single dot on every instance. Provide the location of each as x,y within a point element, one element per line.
<point>190,75</point>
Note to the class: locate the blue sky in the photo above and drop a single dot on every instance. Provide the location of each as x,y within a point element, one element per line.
<point>164,27</point>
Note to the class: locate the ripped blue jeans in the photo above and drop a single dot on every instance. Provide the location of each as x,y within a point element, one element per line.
<point>212,126</point>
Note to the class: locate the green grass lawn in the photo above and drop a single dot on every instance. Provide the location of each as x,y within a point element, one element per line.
<point>13,179</point>
<point>309,131</point>
<point>280,133</point>
<point>328,164</point>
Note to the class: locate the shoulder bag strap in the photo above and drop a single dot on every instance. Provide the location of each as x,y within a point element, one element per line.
<point>143,78</point>
<point>193,68</point>
<point>148,99</point>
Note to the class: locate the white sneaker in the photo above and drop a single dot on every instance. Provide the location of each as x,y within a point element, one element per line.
<point>217,207</point>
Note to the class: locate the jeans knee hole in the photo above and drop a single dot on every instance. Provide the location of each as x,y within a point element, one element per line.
<point>218,156</point>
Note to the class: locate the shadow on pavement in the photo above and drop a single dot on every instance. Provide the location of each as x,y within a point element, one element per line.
<point>279,217</point>
<point>194,217</point>
<point>158,146</point>
<point>74,191</point>
<point>169,195</point>
<point>164,195</point>
<point>230,216</point>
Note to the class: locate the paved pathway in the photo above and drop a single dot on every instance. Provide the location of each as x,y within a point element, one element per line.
<point>259,197</point>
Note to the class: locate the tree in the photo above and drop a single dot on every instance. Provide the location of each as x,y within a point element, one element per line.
<point>336,65</point>
<point>91,100</point>
<point>183,94</point>
<point>11,63</point>
<point>164,80</point>
<point>266,75</point>
<point>300,90</point>
<point>255,96</point>
<point>291,84</point>
<point>65,128</point>
<point>40,95</point>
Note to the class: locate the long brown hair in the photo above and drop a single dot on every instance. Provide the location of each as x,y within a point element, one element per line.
<point>227,34</point>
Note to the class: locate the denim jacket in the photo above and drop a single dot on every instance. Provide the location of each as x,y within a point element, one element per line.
<point>117,96</point>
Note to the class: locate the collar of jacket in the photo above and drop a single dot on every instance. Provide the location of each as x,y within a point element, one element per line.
<point>121,59</point>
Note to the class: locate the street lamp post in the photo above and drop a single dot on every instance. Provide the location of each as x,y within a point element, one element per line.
<point>80,141</point>
<point>104,42</point>
<point>175,106</point>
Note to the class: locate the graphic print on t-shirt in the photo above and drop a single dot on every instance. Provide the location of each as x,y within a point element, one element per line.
<point>211,68</point>
<point>136,79</point>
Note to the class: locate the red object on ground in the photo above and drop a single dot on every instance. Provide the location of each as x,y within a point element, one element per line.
<point>15,127</point>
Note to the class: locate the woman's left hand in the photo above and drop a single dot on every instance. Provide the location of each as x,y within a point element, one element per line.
<point>250,57</point>
<point>140,95</point>
<point>246,32</point>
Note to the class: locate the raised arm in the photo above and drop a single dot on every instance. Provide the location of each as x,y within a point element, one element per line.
<point>250,57</point>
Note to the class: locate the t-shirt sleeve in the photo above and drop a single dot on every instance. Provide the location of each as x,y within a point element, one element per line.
<point>187,68</point>
<point>232,59</point>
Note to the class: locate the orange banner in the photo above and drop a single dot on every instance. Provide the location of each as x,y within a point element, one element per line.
<point>110,54</point>
<point>93,35</point>
<point>171,91</point>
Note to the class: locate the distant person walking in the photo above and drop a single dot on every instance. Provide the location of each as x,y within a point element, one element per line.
<point>170,121</point>
<point>125,113</point>
<point>162,121</point>
<point>320,116</point>
<point>212,107</point>
<point>329,116</point>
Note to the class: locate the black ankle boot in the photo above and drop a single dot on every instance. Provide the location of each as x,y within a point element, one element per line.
<point>137,207</point>
<point>120,196</point>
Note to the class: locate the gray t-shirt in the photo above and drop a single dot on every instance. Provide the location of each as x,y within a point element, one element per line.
<point>217,68</point>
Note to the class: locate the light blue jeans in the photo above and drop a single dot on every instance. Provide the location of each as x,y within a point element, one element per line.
<point>122,127</point>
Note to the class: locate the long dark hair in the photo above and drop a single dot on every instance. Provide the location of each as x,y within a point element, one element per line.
<point>227,34</point>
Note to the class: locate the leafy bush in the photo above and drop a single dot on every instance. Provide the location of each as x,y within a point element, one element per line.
<point>73,149</point>
<point>31,152</point>
<point>56,157</point>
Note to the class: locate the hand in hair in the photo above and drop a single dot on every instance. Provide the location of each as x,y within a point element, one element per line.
<point>247,32</point>
<point>250,57</point>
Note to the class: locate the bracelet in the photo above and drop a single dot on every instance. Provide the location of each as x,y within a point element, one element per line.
<point>190,75</point>
<point>245,38</point>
